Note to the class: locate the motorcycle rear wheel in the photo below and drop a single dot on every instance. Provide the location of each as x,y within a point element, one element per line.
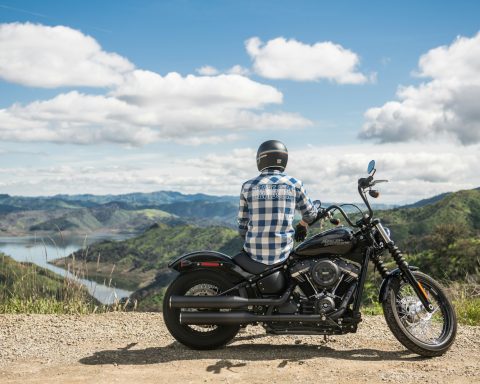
<point>197,283</point>
<point>424,333</point>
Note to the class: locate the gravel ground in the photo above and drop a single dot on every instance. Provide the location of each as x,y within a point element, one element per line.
<point>136,348</point>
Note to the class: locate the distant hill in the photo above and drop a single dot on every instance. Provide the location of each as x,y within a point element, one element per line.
<point>132,212</point>
<point>21,203</point>
<point>107,217</point>
<point>457,208</point>
<point>428,201</point>
<point>147,199</point>
<point>443,238</point>
<point>126,201</point>
<point>214,212</point>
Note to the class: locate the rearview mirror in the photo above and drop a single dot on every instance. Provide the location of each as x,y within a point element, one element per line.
<point>317,203</point>
<point>371,166</point>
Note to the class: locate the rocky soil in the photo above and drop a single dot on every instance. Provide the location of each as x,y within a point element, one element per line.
<point>136,348</point>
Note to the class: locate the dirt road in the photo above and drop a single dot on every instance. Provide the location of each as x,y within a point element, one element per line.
<point>136,348</point>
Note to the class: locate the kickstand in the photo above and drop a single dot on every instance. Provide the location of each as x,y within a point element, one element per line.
<point>325,339</point>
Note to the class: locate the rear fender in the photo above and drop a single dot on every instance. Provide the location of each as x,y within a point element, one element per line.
<point>209,260</point>
<point>382,296</point>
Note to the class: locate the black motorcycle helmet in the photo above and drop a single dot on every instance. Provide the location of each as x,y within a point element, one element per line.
<point>272,154</point>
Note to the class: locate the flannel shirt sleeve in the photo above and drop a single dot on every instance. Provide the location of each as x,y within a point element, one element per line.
<point>243,217</point>
<point>305,206</point>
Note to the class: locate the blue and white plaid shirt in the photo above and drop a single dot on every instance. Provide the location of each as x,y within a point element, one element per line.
<point>266,212</point>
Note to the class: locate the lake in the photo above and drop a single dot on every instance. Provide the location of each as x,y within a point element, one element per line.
<point>42,249</point>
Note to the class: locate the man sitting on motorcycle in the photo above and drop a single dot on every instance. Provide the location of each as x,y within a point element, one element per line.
<point>267,207</point>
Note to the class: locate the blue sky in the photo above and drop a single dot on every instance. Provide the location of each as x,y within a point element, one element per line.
<point>319,117</point>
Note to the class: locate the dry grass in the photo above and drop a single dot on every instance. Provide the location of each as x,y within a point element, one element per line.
<point>466,298</point>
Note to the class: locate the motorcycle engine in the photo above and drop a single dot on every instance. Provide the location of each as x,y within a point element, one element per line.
<point>322,283</point>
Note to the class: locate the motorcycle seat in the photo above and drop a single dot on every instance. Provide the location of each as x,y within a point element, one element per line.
<point>248,264</point>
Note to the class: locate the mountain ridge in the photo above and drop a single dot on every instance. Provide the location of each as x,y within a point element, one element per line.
<point>133,212</point>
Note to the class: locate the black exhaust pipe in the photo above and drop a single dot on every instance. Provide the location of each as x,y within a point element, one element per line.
<point>223,302</point>
<point>222,318</point>
<point>216,302</point>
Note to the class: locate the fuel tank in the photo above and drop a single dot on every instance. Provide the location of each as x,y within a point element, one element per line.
<point>336,241</point>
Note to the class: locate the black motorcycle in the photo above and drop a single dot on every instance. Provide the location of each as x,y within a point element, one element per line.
<point>316,291</point>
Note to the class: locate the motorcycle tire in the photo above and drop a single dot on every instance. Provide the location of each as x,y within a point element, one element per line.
<point>203,283</point>
<point>424,333</point>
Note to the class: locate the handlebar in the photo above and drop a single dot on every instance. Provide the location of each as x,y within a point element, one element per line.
<point>364,197</point>
<point>363,184</point>
<point>324,213</point>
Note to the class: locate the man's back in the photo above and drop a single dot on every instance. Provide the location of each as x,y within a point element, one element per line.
<point>266,212</point>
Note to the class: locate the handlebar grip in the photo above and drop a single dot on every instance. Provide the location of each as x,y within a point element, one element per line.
<point>335,221</point>
<point>320,215</point>
<point>365,182</point>
<point>323,214</point>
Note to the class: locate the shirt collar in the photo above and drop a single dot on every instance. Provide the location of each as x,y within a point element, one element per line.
<point>269,171</point>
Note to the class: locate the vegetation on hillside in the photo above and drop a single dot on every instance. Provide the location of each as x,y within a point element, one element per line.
<point>27,288</point>
<point>109,217</point>
<point>138,199</point>
<point>213,212</point>
<point>124,213</point>
<point>442,238</point>
<point>412,228</point>
<point>138,260</point>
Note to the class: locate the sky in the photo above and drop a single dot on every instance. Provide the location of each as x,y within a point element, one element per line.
<point>140,96</point>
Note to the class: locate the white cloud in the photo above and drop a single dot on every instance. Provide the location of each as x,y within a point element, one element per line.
<point>48,57</point>
<point>207,70</point>
<point>415,172</point>
<point>238,70</point>
<point>291,59</point>
<point>445,106</point>
<point>147,107</point>
<point>74,118</point>
<point>214,139</point>
<point>174,91</point>
<point>140,107</point>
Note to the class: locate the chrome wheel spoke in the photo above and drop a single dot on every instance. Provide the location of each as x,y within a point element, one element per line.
<point>417,321</point>
<point>201,290</point>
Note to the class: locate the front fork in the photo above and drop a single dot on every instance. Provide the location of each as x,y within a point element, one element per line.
<point>402,266</point>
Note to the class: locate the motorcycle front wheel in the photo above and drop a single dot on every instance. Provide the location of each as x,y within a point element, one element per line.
<point>197,283</point>
<point>426,333</point>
